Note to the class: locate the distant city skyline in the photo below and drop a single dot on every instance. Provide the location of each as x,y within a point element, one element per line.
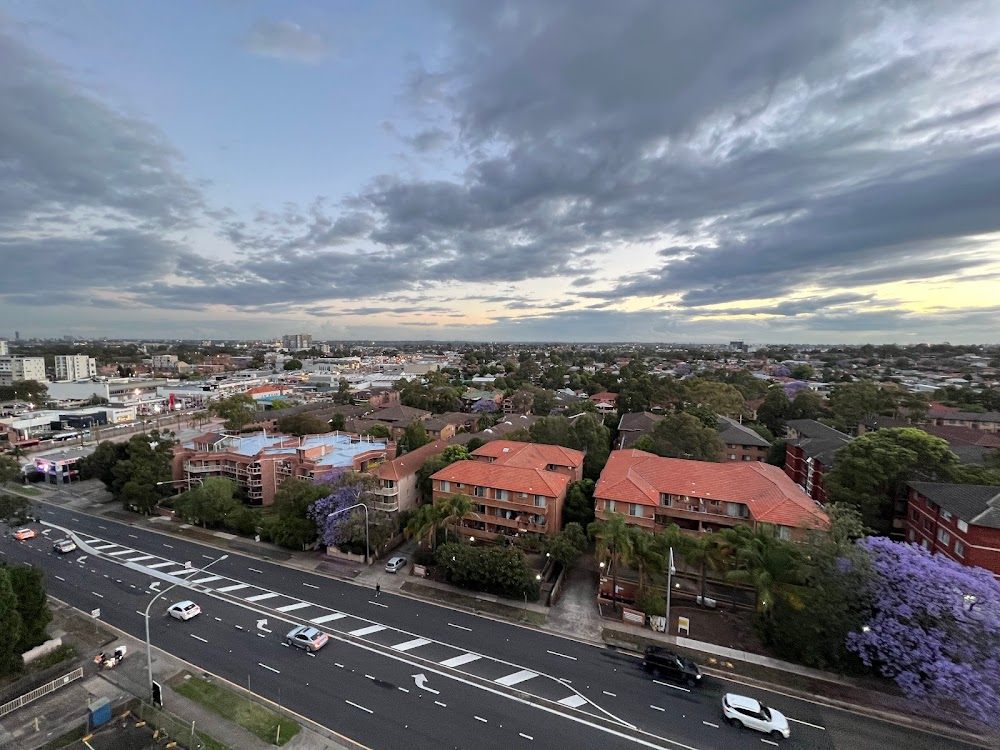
<point>563,171</point>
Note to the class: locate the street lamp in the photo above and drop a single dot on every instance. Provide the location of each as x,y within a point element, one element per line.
<point>149,650</point>
<point>352,507</point>
<point>670,573</point>
<point>200,480</point>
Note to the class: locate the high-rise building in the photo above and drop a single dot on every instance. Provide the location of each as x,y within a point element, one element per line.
<point>4,351</point>
<point>296,342</point>
<point>75,367</point>
<point>14,369</point>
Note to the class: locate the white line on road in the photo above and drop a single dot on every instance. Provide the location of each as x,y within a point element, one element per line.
<point>556,653</point>
<point>140,558</point>
<point>160,565</point>
<point>480,718</point>
<point>239,627</point>
<point>218,619</point>
<point>656,707</point>
<point>259,664</point>
<point>457,661</point>
<point>526,736</point>
<point>443,705</point>
<point>415,643</point>
<point>292,607</point>
<point>326,618</point>
<point>254,570</point>
<point>208,557</point>
<point>516,677</point>
<point>102,527</point>
<point>367,630</point>
<point>799,721</point>
<point>206,579</point>
<point>709,724</point>
<point>235,587</point>
<point>613,695</point>
<point>460,627</point>
<point>123,552</point>
<point>573,701</point>
<point>99,596</point>
<point>405,690</point>
<point>197,637</point>
<point>168,546</point>
<point>141,614</point>
<point>384,606</point>
<point>261,635</point>
<point>60,578</point>
<point>336,664</point>
<point>366,710</point>
<point>675,687</point>
<point>310,585</point>
<point>133,536</point>
<point>260,597</point>
<point>770,742</point>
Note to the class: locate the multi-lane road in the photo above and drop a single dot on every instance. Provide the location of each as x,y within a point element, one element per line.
<point>399,672</point>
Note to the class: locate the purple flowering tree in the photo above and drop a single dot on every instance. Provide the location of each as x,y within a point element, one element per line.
<point>347,489</point>
<point>935,628</point>
<point>484,406</point>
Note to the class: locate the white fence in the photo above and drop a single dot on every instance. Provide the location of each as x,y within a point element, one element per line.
<point>38,692</point>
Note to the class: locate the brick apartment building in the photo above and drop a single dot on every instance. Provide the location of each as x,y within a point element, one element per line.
<point>699,496</point>
<point>960,521</point>
<point>519,488</point>
<point>810,452</point>
<point>398,489</point>
<point>988,421</point>
<point>261,463</point>
<point>742,443</point>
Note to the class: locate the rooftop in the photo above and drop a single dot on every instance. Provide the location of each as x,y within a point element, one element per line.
<point>529,455</point>
<point>976,504</point>
<point>500,476</point>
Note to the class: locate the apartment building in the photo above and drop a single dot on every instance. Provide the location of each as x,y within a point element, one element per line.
<point>296,342</point>
<point>398,488</point>
<point>15,369</point>
<point>959,521</point>
<point>810,452</point>
<point>515,491</point>
<point>700,496</point>
<point>742,443</point>
<point>75,367</point>
<point>261,463</point>
<point>988,421</point>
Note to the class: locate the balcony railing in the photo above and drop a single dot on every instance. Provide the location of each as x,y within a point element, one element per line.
<point>387,491</point>
<point>200,468</point>
<point>388,507</point>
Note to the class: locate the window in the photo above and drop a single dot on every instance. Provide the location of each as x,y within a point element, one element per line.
<point>927,524</point>
<point>732,456</point>
<point>748,458</point>
<point>913,535</point>
<point>609,506</point>
<point>388,483</point>
<point>503,495</point>
<point>445,486</point>
<point>944,537</point>
<point>458,485</point>
<point>634,509</point>
<point>929,504</point>
<point>480,492</point>
<point>914,515</point>
<point>539,501</point>
<point>945,515</point>
<point>785,533</point>
<point>666,500</point>
<point>959,548</point>
<point>736,510</point>
<point>963,526</point>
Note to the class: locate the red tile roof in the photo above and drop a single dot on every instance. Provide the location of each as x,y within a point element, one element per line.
<point>409,463</point>
<point>512,478</point>
<point>529,455</point>
<point>604,396</point>
<point>638,477</point>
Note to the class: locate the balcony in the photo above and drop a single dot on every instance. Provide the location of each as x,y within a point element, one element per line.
<point>200,468</point>
<point>387,491</point>
<point>386,507</point>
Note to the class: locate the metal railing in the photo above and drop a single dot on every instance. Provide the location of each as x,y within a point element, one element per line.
<point>39,692</point>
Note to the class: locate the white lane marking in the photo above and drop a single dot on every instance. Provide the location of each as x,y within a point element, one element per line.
<point>168,546</point>
<point>99,596</point>
<point>710,724</point>
<point>770,742</point>
<point>255,570</point>
<point>310,585</point>
<point>675,687</point>
<point>108,546</point>
<point>405,690</point>
<point>457,661</point>
<point>140,558</point>
<point>102,527</point>
<point>657,707</point>
<point>133,536</point>
<point>261,635</point>
<point>326,618</point>
<point>122,552</point>
<point>218,619</point>
<point>259,664</point>
<point>292,607</point>
<point>513,679</point>
<point>799,721</point>
<point>208,557</point>
<point>60,578</point>
<point>480,718</point>
<point>573,701</point>
<point>415,643</point>
<point>526,736</point>
<point>367,630</point>
<point>260,597</point>
<point>352,703</point>
<point>439,703</point>
<point>337,664</point>
<point>237,587</point>
<point>181,572</point>
<point>613,695</point>
<point>159,565</point>
<point>141,614</point>
<point>239,627</point>
<point>460,627</point>
<point>206,579</point>
<point>378,604</point>
<point>564,656</point>
<point>197,637</point>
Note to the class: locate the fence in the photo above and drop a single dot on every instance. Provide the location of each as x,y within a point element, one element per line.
<point>38,692</point>
<point>170,727</point>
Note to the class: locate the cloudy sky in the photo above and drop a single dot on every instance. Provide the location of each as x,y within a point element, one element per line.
<point>569,170</point>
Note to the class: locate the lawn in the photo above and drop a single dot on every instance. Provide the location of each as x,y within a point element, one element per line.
<point>255,718</point>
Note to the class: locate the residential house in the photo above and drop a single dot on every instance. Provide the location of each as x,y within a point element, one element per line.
<point>811,448</point>
<point>742,443</point>
<point>398,489</point>
<point>604,401</point>
<point>397,418</point>
<point>987,421</point>
<point>532,456</point>
<point>634,425</point>
<point>439,429</point>
<point>959,521</point>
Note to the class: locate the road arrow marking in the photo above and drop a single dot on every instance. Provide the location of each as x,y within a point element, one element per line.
<point>421,680</point>
<point>81,559</point>
<point>154,586</point>
<point>261,625</point>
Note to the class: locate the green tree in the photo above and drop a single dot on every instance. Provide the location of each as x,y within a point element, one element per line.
<point>852,403</point>
<point>10,469</point>
<point>425,522</point>
<point>10,626</point>
<point>644,555</point>
<point>291,524</point>
<point>775,410</point>
<point>719,398</point>
<point>209,503</point>
<point>772,567</point>
<point>292,364</point>
<point>280,403</point>
<point>141,476</point>
<point>681,435</point>
<point>579,505</point>
<point>237,410</point>
<point>803,372</point>
<point>456,509</point>
<point>806,405</point>
<point>568,545</point>
<point>14,508</point>
<point>302,423</point>
<point>435,463</point>
<point>614,540</point>
<point>543,402</point>
<point>702,552</point>
<point>379,431</point>
<point>32,605</point>
<point>777,452</point>
<point>492,569</point>
<point>338,423</point>
<point>343,395</point>
<point>414,436</point>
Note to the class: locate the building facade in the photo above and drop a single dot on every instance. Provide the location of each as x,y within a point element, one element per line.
<point>810,452</point>
<point>398,487</point>
<point>15,369</point>
<point>742,443</point>
<point>988,421</point>
<point>959,521</point>
<point>75,367</point>
<point>296,342</point>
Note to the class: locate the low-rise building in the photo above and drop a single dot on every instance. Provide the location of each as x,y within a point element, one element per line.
<point>398,487</point>
<point>987,421</point>
<point>532,456</point>
<point>810,452</point>
<point>960,521</point>
<point>742,443</point>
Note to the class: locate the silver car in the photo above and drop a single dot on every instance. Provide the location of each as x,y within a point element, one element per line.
<point>307,638</point>
<point>395,564</point>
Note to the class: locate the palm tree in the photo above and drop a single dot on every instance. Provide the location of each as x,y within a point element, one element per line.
<point>613,537</point>
<point>644,554</point>
<point>772,567</point>
<point>425,522</point>
<point>702,552</point>
<point>455,509</point>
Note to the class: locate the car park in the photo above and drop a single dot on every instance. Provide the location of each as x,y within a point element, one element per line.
<point>395,564</point>
<point>741,711</point>
<point>184,610</point>
<point>666,663</point>
<point>22,534</point>
<point>64,546</point>
<point>306,638</point>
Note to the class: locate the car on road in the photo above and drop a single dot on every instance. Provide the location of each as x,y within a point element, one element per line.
<point>666,663</point>
<point>395,564</point>
<point>22,534</point>
<point>184,610</point>
<point>63,546</point>
<point>306,638</point>
<point>740,711</point>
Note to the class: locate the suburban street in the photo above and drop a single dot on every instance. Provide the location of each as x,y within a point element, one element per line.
<point>399,672</point>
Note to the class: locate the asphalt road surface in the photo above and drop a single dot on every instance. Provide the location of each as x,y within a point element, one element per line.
<point>404,673</point>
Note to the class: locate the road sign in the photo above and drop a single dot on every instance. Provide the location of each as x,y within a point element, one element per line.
<point>95,613</point>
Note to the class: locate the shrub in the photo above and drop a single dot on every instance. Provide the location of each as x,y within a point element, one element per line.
<point>495,570</point>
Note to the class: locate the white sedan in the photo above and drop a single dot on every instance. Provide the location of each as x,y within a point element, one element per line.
<point>184,610</point>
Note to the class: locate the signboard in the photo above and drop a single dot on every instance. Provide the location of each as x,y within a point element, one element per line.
<point>420,570</point>
<point>683,626</point>
<point>95,613</point>
<point>634,617</point>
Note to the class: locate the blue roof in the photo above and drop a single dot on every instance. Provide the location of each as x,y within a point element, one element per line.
<point>251,445</point>
<point>342,448</point>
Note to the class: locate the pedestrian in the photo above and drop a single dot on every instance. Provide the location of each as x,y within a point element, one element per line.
<point>378,589</point>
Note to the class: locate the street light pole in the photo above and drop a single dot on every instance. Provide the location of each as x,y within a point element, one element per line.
<point>670,577</point>
<point>352,507</point>
<point>149,650</point>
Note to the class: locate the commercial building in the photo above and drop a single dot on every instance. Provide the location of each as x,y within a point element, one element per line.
<point>296,342</point>
<point>959,521</point>
<point>810,452</point>
<point>4,351</point>
<point>14,369</point>
<point>75,367</point>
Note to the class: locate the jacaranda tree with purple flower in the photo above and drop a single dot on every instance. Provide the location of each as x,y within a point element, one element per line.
<point>346,530</point>
<point>934,629</point>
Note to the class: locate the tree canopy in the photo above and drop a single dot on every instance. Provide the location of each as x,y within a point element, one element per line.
<point>237,410</point>
<point>302,423</point>
<point>682,435</point>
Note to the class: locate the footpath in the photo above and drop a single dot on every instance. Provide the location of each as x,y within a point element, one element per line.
<point>575,615</point>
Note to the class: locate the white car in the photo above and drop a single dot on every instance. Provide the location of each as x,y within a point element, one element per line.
<point>184,610</point>
<point>740,711</point>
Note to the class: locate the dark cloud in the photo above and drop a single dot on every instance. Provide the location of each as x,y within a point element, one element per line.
<point>285,40</point>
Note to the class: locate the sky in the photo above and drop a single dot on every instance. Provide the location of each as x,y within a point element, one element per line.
<point>501,170</point>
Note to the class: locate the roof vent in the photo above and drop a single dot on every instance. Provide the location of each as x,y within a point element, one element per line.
<point>506,450</point>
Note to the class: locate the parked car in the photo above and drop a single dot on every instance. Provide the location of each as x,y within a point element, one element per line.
<point>64,545</point>
<point>395,564</point>
<point>22,534</point>
<point>184,610</point>
<point>306,638</point>
<point>740,711</point>
<point>666,663</point>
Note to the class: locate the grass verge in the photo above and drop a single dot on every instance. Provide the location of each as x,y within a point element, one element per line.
<point>175,728</point>
<point>255,718</point>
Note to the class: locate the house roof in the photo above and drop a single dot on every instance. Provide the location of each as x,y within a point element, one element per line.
<point>967,435</point>
<point>503,477</point>
<point>212,438</point>
<point>976,504</point>
<point>398,413</point>
<point>604,396</point>
<point>818,441</point>
<point>733,433</point>
<point>633,426</point>
<point>409,463</point>
<point>637,477</point>
<point>971,416</point>
<point>529,455</point>
<point>513,422</point>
